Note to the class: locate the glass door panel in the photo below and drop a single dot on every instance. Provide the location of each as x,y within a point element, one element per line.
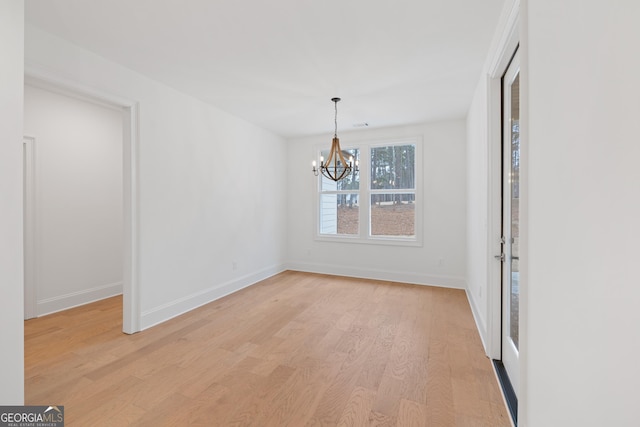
<point>511,221</point>
<point>514,298</point>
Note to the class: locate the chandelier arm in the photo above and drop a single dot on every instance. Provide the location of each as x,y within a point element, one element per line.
<point>344,173</point>
<point>327,174</point>
<point>342,159</point>
<point>331,159</point>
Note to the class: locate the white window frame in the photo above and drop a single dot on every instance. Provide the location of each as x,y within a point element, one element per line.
<point>364,195</point>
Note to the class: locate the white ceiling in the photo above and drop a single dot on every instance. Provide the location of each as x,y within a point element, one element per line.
<point>278,63</point>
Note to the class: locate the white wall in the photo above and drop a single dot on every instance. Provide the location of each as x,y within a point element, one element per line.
<point>583,337</point>
<point>444,219</point>
<point>477,207</point>
<point>78,198</point>
<point>579,293</point>
<point>11,262</point>
<point>205,203</point>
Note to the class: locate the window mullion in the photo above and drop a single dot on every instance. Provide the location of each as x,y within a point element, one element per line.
<point>365,192</point>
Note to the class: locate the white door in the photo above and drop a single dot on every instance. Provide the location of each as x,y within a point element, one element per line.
<point>510,221</point>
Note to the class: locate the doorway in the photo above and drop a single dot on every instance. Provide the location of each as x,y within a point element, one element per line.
<point>128,158</point>
<point>77,226</point>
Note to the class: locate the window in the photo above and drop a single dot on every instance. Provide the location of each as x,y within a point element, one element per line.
<point>393,186</point>
<point>379,203</point>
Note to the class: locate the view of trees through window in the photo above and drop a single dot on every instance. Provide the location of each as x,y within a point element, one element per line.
<point>390,194</point>
<point>393,186</point>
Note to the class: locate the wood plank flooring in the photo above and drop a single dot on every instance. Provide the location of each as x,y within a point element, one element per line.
<point>297,349</point>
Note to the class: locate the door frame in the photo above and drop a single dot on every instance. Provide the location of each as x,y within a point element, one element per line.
<point>45,79</point>
<point>507,44</point>
<point>509,357</point>
<point>29,215</point>
<point>497,66</point>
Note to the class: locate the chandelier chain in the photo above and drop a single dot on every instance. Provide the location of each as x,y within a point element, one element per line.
<point>335,120</point>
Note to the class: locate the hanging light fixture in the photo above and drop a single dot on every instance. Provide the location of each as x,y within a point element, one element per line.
<point>336,167</point>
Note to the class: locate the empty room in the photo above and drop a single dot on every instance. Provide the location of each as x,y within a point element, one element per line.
<point>296,213</point>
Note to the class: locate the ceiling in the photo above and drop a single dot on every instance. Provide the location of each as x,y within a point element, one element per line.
<point>278,63</point>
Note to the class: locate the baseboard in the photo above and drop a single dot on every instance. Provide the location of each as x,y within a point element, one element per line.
<point>75,299</point>
<point>175,308</point>
<point>480,325</point>
<point>376,274</point>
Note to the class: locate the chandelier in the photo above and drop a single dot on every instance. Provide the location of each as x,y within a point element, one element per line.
<point>336,167</point>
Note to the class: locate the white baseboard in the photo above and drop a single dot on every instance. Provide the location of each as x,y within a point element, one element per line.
<point>75,299</point>
<point>480,324</point>
<point>371,273</point>
<point>175,308</point>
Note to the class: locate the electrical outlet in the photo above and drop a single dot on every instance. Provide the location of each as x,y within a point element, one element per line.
<point>234,265</point>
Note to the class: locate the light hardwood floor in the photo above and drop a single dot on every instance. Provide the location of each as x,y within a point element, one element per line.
<point>297,349</point>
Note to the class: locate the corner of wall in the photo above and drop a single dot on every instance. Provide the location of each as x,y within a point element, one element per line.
<point>11,194</point>
<point>157,315</point>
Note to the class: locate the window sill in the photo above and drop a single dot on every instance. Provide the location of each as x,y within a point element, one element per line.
<point>388,241</point>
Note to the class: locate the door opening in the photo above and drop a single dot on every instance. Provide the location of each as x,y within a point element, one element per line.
<point>44,80</point>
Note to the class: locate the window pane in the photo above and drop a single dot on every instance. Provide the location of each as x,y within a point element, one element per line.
<point>393,214</point>
<point>339,213</point>
<point>393,167</point>
<point>351,181</point>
